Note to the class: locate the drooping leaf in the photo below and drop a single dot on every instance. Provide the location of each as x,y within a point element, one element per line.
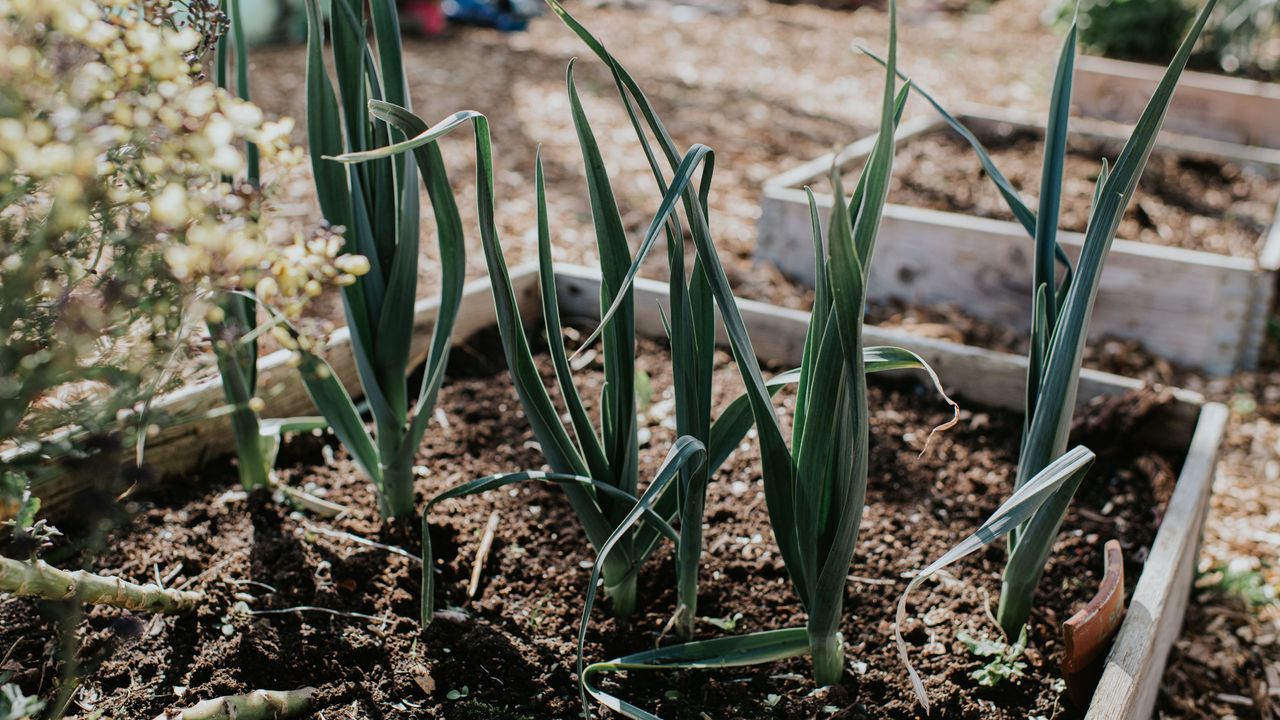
<point>728,652</point>
<point>1022,505</point>
<point>334,402</point>
<point>685,453</point>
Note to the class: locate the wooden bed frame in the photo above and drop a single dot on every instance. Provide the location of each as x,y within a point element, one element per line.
<point>1132,674</point>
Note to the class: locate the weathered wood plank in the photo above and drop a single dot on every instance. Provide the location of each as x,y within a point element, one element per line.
<point>1213,106</point>
<point>1131,678</point>
<point>992,378</point>
<point>1199,309</point>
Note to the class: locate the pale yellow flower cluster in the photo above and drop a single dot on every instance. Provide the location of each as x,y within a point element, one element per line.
<point>113,111</point>
<point>115,209</point>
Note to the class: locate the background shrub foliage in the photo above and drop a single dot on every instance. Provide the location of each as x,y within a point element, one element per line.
<point>1242,37</point>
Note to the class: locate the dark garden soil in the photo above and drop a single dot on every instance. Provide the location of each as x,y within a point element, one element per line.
<point>1182,201</point>
<point>509,653</point>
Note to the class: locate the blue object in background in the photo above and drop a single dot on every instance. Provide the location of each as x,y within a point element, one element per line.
<point>504,15</point>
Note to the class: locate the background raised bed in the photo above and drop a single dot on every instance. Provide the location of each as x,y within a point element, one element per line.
<point>1218,107</point>
<point>1199,309</point>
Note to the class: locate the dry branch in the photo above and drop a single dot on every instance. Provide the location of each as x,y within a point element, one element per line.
<point>39,579</point>
<point>482,554</point>
<point>257,705</point>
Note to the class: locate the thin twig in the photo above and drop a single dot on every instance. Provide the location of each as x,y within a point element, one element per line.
<point>986,609</point>
<point>482,554</point>
<point>668,625</point>
<point>9,652</point>
<point>299,609</point>
<point>344,535</point>
<point>264,586</point>
<point>871,581</point>
<point>171,575</point>
<point>313,503</point>
<point>209,571</point>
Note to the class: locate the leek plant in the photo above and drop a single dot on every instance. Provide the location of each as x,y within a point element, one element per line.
<point>377,203</point>
<point>598,467</point>
<point>607,455</point>
<point>1061,313</point>
<point>815,489</point>
<point>233,319</point>
<point>690,325</point>
<point>234,315</point>
<point>1048,474</point>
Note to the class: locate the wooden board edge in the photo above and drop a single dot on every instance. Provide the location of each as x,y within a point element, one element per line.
<point>1009,228</point>
<point>779,335</point>
<point>1131,679</point>
<point>1116,133</point>
<point>209,390</point>
<point>1269,257</point>
<point>1262,299</point>
<point>1147,72</point>
<point>820,167</point>
<point>1106,131</point>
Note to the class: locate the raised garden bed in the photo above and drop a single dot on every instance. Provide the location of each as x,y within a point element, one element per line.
<point>1197,292</point>
<point>510,655</point>
<point>1214,106</point>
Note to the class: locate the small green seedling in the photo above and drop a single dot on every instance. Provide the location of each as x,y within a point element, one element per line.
<point>14,704</point>
<point>1005,664</point>
<point>644,391</point>
<point>728,623</point>
<point>1239,580</point>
